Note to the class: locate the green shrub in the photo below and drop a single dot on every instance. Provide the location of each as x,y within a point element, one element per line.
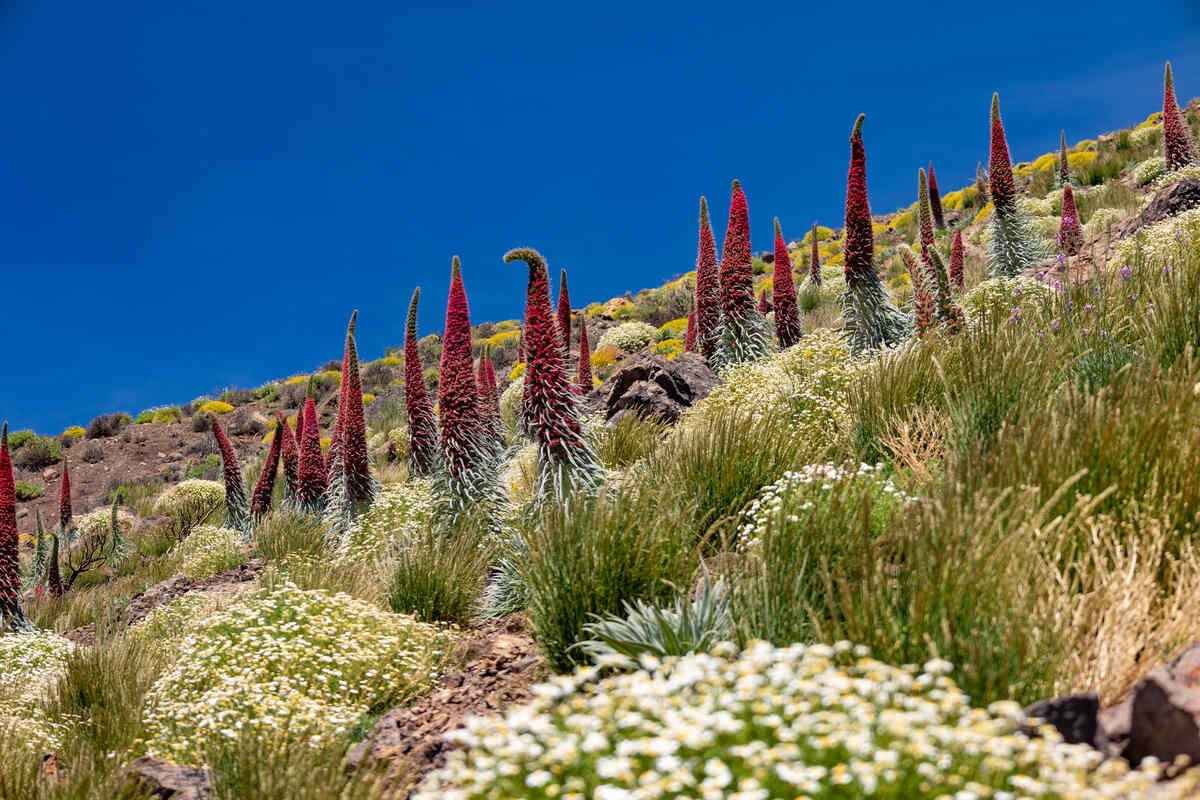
<point>28,490</point>
<point>18,439</point>
<point>38,453</point>
<point>629,336</point>
<point>628,439</point>
<point>438,577</point>
<point>159,415</point>
<point>190,503</point>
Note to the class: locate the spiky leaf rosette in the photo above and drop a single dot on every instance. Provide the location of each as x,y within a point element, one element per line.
<point>423,456</point>
<point>236,508</point>
<point>565,457</point>
<point>924,309</point>
<point>743,332</point>
<point>935,200</point>
<point>583,371</point>
<point>1070,235</point>
<point>783,289</point>
<point>708,295</point>
<point>64,500</point>
<point>290,453</point>
<point>260,498</point>
<point>564,314</point>
<point>1177,137</point>
<point>689,338</point>
<point>1014,245</point>
<point>948,311</point>
<point>12,618</point>
<point>814,260</point>
<point>957,257</point>
<point>872,320</point>
<point>311,478</point>
<point>1064,166</point>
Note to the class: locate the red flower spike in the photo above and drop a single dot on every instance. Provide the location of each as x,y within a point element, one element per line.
<point>312,477</point>
<point>935,200</point>
<point>1064,166</point>
<point>237,512</point>
<point>422,428</point>
<point>584,372</point>
<point>299,430</point>
<point>736,273</point>
<point>708,300</point>
<point>564,314</point>
<point>859,247</point>
<point>1070,235</point>
<point>689,338</point>
<point>764,307</point>
<point>457,393</point>
<point>350,430</point>
<point>290,454</point>
<point>956,260</point>
<point>260,498</point>
<point>64,500</point>
<point>814,263</point>
<point>783,291</point>
<point>11,616</point>
<point>1177,136</point>
<point>1003,189</point>
<point>489,398</point>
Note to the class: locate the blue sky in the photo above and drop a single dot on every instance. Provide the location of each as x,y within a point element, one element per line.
<point>196,195</point>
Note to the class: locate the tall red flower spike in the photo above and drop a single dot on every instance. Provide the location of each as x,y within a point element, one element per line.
<point>310,491</point>
<point>12,619</point>
<point>956,260</point>
<point>814,263</point>
<point>764,307</point>
<point>708,298</point>
<point>564,314</point>
<point>742,337</point>
<point>1070,235</point>
<point>584,370</point>
<point>935,200</point>
<point>1003,189</point>
<point>422,427</point>
<point>54,582</point>
<point>783,291</point>
<point>689,338</point>
<point>260,498</point>
<point>872,319</point>
<point>564,456</point>
<point>924,307</point>
<point>947,310</point>
<point>64,500</point>
<point>290,456</point>
<point>1177,136</point>
<point>350,433</point>
<point>237,512</point>
<point>489,399</point>
<point>1064,166</point>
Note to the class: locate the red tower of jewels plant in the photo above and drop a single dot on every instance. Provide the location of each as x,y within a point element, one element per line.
<point>290,456</point>
<point>956,260</point>
<point>236,510</point>
<point>564,314</point>
<point>350,461</point>
<point>1177,136</point>
<point>783,290</point>
<point>312,478</point>
<point>299,433</point>
<point>935,200</point>
<point>742,335</point>
<point>565,458</point>
<point>872,319</point>
<point>423,455</point>
<point>1070,235</point>
<point>1064,166</point>
<point>708,297</point>
<point>764,307</point>
<point>1002,188</point>
<point>489,400</point>
<point>924,308</point>
<point>260,498</point>
<point>948,311</point>
<point>12,619</point>
<point>584,369</point>
<point>1014,245</point>
<point>689,338</point>
<point>64,500</point>
<point>814,262</point>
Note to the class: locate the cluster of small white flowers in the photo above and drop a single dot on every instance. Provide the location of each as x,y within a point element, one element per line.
<point>287,662</point>
<point>1162,243</point>
<point>1144,136</point>
<point>1038,206</point>
<point>799,491</point>
<point>30,663</point>
<point>400,511</point>
<point>1149,170</point>
<point>210,549</point>
<point>99,521</point>
<point>809,380</point>
<point>188,495</point>
<point>1190,172</point>
<point>798,721</point>
<point>629,336</point>
<point>165,625</point>
<point>1005,293</point>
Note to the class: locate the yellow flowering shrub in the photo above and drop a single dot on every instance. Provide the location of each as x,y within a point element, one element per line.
<point>287,664</point>
<point>507,325</point>
<point>902,219</point>
<point>673,329</point>
<point>1082,159</point>
<point>296,380</point>
<point>1046,161</point>
<point>216,407</point>
<point>823,233</point>
<point>368,398</point>
<point>504,337</point>
<point>985,212</point>
<point>74,432</point>
<point>392,361</point>
<point>670,348</point>
<point>518,371</point>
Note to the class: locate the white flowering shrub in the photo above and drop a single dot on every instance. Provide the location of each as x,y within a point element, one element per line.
<point>99,522</point>
<point>1162,243</point>
<point>1037,207</point>
<point>789,499</point>
<point>1148,135</point>
<point>30,663</point>
<point>166,624</point>
<point>520,474</point>
<point>629,336</point>
<point>1190,172</point>
<point>400,512</point>
<point>815,721</point>
<point>808,381</point>
<point>1006,293</point>
<point>1149,170</point>
<point>190,503</point>
<point>1101,220</point>
<point>287,664</point>
<point>210,549</point>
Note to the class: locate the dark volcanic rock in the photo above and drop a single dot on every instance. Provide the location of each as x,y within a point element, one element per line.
<point>1073,715</point>
<point>1163,720</point>
<point>651,386</point>
<point>1169,201</point>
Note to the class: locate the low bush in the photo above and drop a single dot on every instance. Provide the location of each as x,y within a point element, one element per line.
<point>628,336</point>
<point>209,549</point>
<point>438,576</point>
<point>28,490</point>
<point>37,454</point>
<point>190,503</point>
<point>107,425</point>
<point>215,407</point>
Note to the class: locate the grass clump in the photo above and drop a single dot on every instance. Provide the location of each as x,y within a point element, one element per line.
<point>438,577</point>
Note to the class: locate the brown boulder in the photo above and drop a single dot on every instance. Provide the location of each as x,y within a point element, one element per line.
<point>169,781</point>
<point>651,386</point>
<point>1164,720</point>
<point>1167,202</point>
<point>1074,716</point>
